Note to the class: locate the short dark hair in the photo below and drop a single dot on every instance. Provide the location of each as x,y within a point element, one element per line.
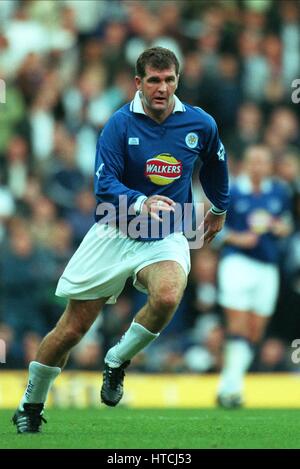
<point>158,58</point>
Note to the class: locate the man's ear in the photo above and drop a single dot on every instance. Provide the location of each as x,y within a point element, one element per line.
<point>138,82</point>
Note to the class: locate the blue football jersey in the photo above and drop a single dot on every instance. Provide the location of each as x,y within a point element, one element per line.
<point>136,157</point>
<point>249,211</point>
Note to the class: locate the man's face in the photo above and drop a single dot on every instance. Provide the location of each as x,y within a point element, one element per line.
<point>258,164</point>
<point>158,88</point>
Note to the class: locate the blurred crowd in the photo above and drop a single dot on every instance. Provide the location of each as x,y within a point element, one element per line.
<point>67,66</point>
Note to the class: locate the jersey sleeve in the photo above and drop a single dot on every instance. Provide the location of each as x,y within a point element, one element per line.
<point>214,170</point>
<point>231,215</point>
<point>109,165</point>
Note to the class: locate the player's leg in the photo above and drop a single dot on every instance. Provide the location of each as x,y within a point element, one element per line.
<point>255,289</point>
<point>165,282</point>
<point>71,327</point>
<point>237,287</point>
<point>237,357</point>
<point>257,326</point>
<point>236,322</point>
<point>51,357</point>
<point>264,302</point>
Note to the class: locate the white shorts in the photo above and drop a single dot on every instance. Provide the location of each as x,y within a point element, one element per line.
<point>248,285</point>
<point>104,261</point>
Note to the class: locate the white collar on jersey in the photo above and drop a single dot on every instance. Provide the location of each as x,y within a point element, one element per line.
<point>137,106</point>
<point>245,185</point>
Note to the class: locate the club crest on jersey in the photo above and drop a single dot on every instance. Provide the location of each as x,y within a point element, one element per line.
<point>163,169</point>
<point>191,140</point>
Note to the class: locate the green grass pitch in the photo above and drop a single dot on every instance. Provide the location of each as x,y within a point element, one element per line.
<point>121,427</point>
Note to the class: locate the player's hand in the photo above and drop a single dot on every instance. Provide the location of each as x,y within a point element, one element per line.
<point>157,203</point>
<point>213,224</point>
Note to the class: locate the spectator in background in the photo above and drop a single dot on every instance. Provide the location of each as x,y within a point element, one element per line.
<point>228,92</point>
<point>289,14</point>
<point>255,69</point>
<point>196,86</point>
<point>205,338</point>
<point>249,123</point>
<point>30,76</point>
<point>192,78</point>
<point>12,350</point>
<point>204,274</point>
<point>60,248</point>
<point>209,39</point>
<point>148,29</point>
<point>14,114</point>
<point>273,356</point>
<point>61,244</point>
<point>43,220</point>
<point>64,178</point>
<point>81,218</point>
<point>282,130</point>
<point>18,166</point>
<point>30,342</point>
<point>206,352</point>
<point>259,215</point>
<point>23,269</point>
<point>114,49</point>
<point>284,122</point>
<point>7,209</point>
<point>288,169</point>
<point>42,119</point>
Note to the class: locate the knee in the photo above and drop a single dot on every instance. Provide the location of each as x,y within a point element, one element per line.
<point>166,299</point>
